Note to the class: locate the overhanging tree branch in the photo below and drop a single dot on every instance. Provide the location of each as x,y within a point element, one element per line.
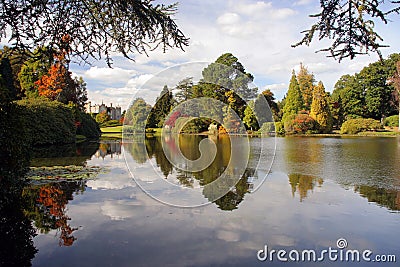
<point>97,28</point>
<point>351,26</point>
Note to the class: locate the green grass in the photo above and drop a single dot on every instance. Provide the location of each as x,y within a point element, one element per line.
<point>114,129</point>
<point>379,133</point>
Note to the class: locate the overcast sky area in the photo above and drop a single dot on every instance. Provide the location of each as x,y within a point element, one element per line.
<point>258,33</point>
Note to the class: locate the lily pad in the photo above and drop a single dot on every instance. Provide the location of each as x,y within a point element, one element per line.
<point>72,172</point>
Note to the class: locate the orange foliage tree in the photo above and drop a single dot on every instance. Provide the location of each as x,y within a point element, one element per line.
<point>58,83</point>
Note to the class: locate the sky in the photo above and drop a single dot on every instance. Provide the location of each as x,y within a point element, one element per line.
<point>258,33</point>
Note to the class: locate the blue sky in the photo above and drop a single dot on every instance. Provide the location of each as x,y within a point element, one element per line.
<point>259,33</point>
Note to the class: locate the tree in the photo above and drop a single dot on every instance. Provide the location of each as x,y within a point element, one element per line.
<point>250,119</point>
<point>184,89</point>
<point>162,107</point>
<point>395,81</point>
<point>306,83</point>
<point>320,111</point>
<point>102,117</point>
<point>351,96</point>
<point>294,100</point>
<point>98,28</point>
<point>269,96</point>
<point>138,113</point>
<point>80,93</point>
<point>17,61</point>
<point>7,89</point>
<point>33,69</point>
<point>350,23</point>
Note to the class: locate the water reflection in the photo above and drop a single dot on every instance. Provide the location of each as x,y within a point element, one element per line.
<point>151,149</point>
<point>47,205</point>
<point>16,230</point>
<point>63,155</point>
<point>383,197</point>
<point>108,148</point>
<point>302,184</point>
<point>369,166</point>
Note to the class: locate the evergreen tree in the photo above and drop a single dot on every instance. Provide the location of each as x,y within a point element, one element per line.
<point>320,110</point>
<point>250,119</point>
<point>162,107</point>
<point>269,96</point>
<point>306,83</point>
<point>184,89</point>
<point>294,100</point>
<point>7,89</point>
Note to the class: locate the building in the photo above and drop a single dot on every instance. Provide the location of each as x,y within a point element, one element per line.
<point>115,113</point>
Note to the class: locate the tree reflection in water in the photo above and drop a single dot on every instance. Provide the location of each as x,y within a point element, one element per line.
<point>303,183</point>
<point>389,198</point>
<point>151,148</point>
<point>47,207</point>
<point>16,230</point>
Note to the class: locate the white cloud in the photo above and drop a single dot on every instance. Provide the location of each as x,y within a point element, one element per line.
<point>122,96</point>
<point>120,209</point>
<point>228,18</point>
<point>109,75</point>
<point>259,33</point>
<point>302,2</point>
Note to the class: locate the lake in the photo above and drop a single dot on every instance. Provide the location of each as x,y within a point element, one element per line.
<point>318,191</point>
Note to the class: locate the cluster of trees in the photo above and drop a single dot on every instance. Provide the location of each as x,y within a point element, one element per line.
<point>226,81</point>
<point>50,101</point>
<point>306,108</point>
<point>362,100</point>
<point>44,73</point>
<point>369,93</point>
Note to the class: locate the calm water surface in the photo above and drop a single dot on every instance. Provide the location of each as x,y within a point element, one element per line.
<point>318,190</point>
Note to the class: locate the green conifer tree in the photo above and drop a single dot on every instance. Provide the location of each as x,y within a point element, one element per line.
<point>294,99</point>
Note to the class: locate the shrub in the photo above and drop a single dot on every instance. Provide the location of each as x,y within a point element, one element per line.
<point>47,122</point>
<point>354,126</point>
<point>267,127</point>
<point>392,121</point>
<point>111,123</point>
<point>190,125</point>
<point>102,118</point>
<point>300,123</point>
<point>15,146</point>
<point>279,129</point>
<point>87,126</point>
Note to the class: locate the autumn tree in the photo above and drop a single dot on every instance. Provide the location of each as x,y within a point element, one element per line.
<point>32,70</point>
<point>294,99</point>
<point>320,110</point>
<point>306,83</point>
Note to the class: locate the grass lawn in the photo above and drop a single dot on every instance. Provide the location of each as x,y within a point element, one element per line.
<point>115,129</point>
<point>114,132</point>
